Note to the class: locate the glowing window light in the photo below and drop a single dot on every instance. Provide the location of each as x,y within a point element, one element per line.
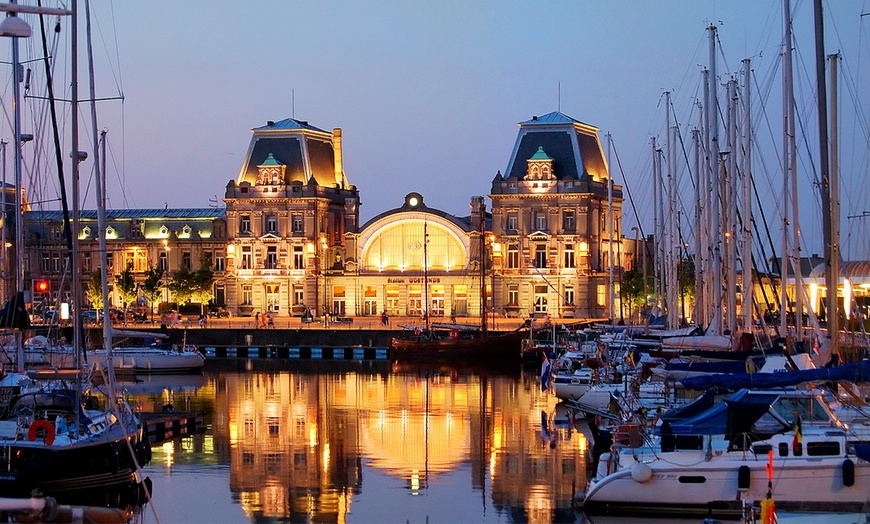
<point>814,296</point>
<point>847,297</point>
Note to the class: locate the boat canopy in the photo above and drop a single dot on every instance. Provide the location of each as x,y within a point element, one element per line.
<point>857,372</point>
<point>734,415</point>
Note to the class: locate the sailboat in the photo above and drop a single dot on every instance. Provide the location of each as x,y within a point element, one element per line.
<point>56,435</point>
<point>459,341</point>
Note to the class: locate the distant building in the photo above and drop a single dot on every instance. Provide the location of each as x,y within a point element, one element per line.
<point>289,241</point>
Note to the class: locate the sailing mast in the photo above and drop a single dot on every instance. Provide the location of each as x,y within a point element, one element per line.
<point>831,241</point>
<point>746,246</point>
<point>482,265</point>
<point>714,187</point>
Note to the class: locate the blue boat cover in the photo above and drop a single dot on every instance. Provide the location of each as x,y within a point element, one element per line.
<point>734,415</point>
<point>863,451</point>
<point>857,372</point>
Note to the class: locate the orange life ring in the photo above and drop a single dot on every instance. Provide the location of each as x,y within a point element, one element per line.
<point>454,334</point>
<point>44,424</point>
<point>417,331</point>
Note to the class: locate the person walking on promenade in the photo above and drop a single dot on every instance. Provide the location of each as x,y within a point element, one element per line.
<point>257,320</point>
<point>384,318</point>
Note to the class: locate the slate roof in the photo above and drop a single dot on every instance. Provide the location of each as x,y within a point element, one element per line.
<point>283,140</point>
<point>142,214</point>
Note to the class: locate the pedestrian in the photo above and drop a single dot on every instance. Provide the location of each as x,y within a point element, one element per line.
<point>384,318</point>
<point>263,320</point>
<point>257,319</point>
<point>270,320</point>
<point>452,317</point>
<point>202,321</point>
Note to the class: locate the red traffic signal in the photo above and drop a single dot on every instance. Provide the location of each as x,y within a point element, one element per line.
<point>41,286</point>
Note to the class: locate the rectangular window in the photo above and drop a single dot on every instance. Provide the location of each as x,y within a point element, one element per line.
<point>460,299</point>
<point>273,293</point>
<point>298,258</point>
<point>541,221</point>
<point>393,300</point>
<point>46,262</point>
<point>247,295</point>
<point>162,262</point>
<point>297,223</point>
<point>541,256</point>
<point>436,295</point>
<point>55,263</point>
<point>271,224</point>
<point>512,222</point>
<point>513,256</point>
<point>110,261</point>
<point>185,260</point>
<point>338,301</point>
<point>602,295</point>
<point>272,257</point>
<point>513,295</point>
<point>219,262</point>
<point>247,259</point>
<point>415,300</point>
<point>220,294</point>
<point>298,295</point>
<point>540,298</point>
<point>245,224</point>
<point>569,256</point>
<point>569,295</point>
<point>370,300</point>
<point>568,222</point>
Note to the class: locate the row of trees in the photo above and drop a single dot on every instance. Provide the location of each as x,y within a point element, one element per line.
<point>187,286</point>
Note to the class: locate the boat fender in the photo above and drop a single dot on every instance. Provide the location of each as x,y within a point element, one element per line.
<point>454,334</point>
<point>641,473</point>
<point>41,424</point>
<point>743,477</point>
<point>848,473</point>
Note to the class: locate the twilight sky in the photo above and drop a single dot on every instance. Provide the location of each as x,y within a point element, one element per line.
<point>428,94</point>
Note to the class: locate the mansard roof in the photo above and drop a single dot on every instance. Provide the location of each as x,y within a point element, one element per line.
<point>573,146</point>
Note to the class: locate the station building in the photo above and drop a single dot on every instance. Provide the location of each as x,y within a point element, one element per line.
<point>289,240</point>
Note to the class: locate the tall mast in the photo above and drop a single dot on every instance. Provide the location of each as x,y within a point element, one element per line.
<point>672,244</point>
<point>731,208</point>
<point>834,324</point>
<point>831,250</point>
<point>658,222</point>
<point>609,226</point>
<point>787,115</point>
<point>746,249</point>
<point>697,314</point>
<point>75,267</point>
<point>715,188</point>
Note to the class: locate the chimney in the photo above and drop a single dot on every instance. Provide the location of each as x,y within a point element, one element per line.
<point>336,148</point>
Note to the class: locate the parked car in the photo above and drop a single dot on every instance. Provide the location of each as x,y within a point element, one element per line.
<point>218,312</point>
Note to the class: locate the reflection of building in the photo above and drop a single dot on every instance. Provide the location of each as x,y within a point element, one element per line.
<point>289,240</point>
<point>299,443</point>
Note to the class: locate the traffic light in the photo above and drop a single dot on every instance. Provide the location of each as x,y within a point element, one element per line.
<point>41,286</point>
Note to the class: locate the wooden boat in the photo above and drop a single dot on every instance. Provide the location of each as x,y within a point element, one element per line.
<point>460,345</point>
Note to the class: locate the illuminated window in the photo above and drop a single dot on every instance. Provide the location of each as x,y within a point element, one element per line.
<point>393,300</point>
<point>162,263</point>
<point>273,294</point>
<point>247,259</point>
<point>602,295</point>
<point>541,256</point>
<point>298,295</point>
<point>298,258</point>
<point>272,257</point>
<point>569,256</point>
<point>247,295</point>
<point>460,299</point>
<point>415,300</point>
<point>569,295</point>
<point>400,247</point>
<point>338,301</point>
<point>540,298</point>
<point>437,298</point>
<point>513,295</point>
<point>370,300</point>
<point>513,256</point>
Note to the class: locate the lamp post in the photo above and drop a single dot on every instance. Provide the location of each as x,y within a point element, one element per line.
<point>325,313</point>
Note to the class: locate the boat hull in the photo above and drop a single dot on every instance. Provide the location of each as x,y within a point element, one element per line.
<point>712,489</point>
<point>506,347</point>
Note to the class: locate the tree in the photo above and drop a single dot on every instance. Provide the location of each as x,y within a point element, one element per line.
<point>634,292</point>
<point>94,289</point>
<point>125,285</point>
<point>203,282</point>
<point>152,287</point>
<point>182,285</point>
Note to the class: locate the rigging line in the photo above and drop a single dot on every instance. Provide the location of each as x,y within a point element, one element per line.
<point>631,200</point>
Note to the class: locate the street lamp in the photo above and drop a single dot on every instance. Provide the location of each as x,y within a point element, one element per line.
<point>323,274</point>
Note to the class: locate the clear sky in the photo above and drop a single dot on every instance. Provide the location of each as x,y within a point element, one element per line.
<point>428,94</point>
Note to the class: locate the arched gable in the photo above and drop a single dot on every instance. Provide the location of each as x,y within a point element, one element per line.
<point>395,243</point>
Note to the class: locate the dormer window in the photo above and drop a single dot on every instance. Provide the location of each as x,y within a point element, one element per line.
<point>540,166</point>
<point>270,172</point>
<point>186,230</point>
<point>86,232</point>
<point>164,231</point>
<point>110,232</point>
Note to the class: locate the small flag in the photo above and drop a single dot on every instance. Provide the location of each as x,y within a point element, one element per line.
<point>816,346</point>
<point>631,359</point>
<point>545,373</point>
<point>798,437</point>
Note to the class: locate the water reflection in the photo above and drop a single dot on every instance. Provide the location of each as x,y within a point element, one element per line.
<point>391,444</point>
